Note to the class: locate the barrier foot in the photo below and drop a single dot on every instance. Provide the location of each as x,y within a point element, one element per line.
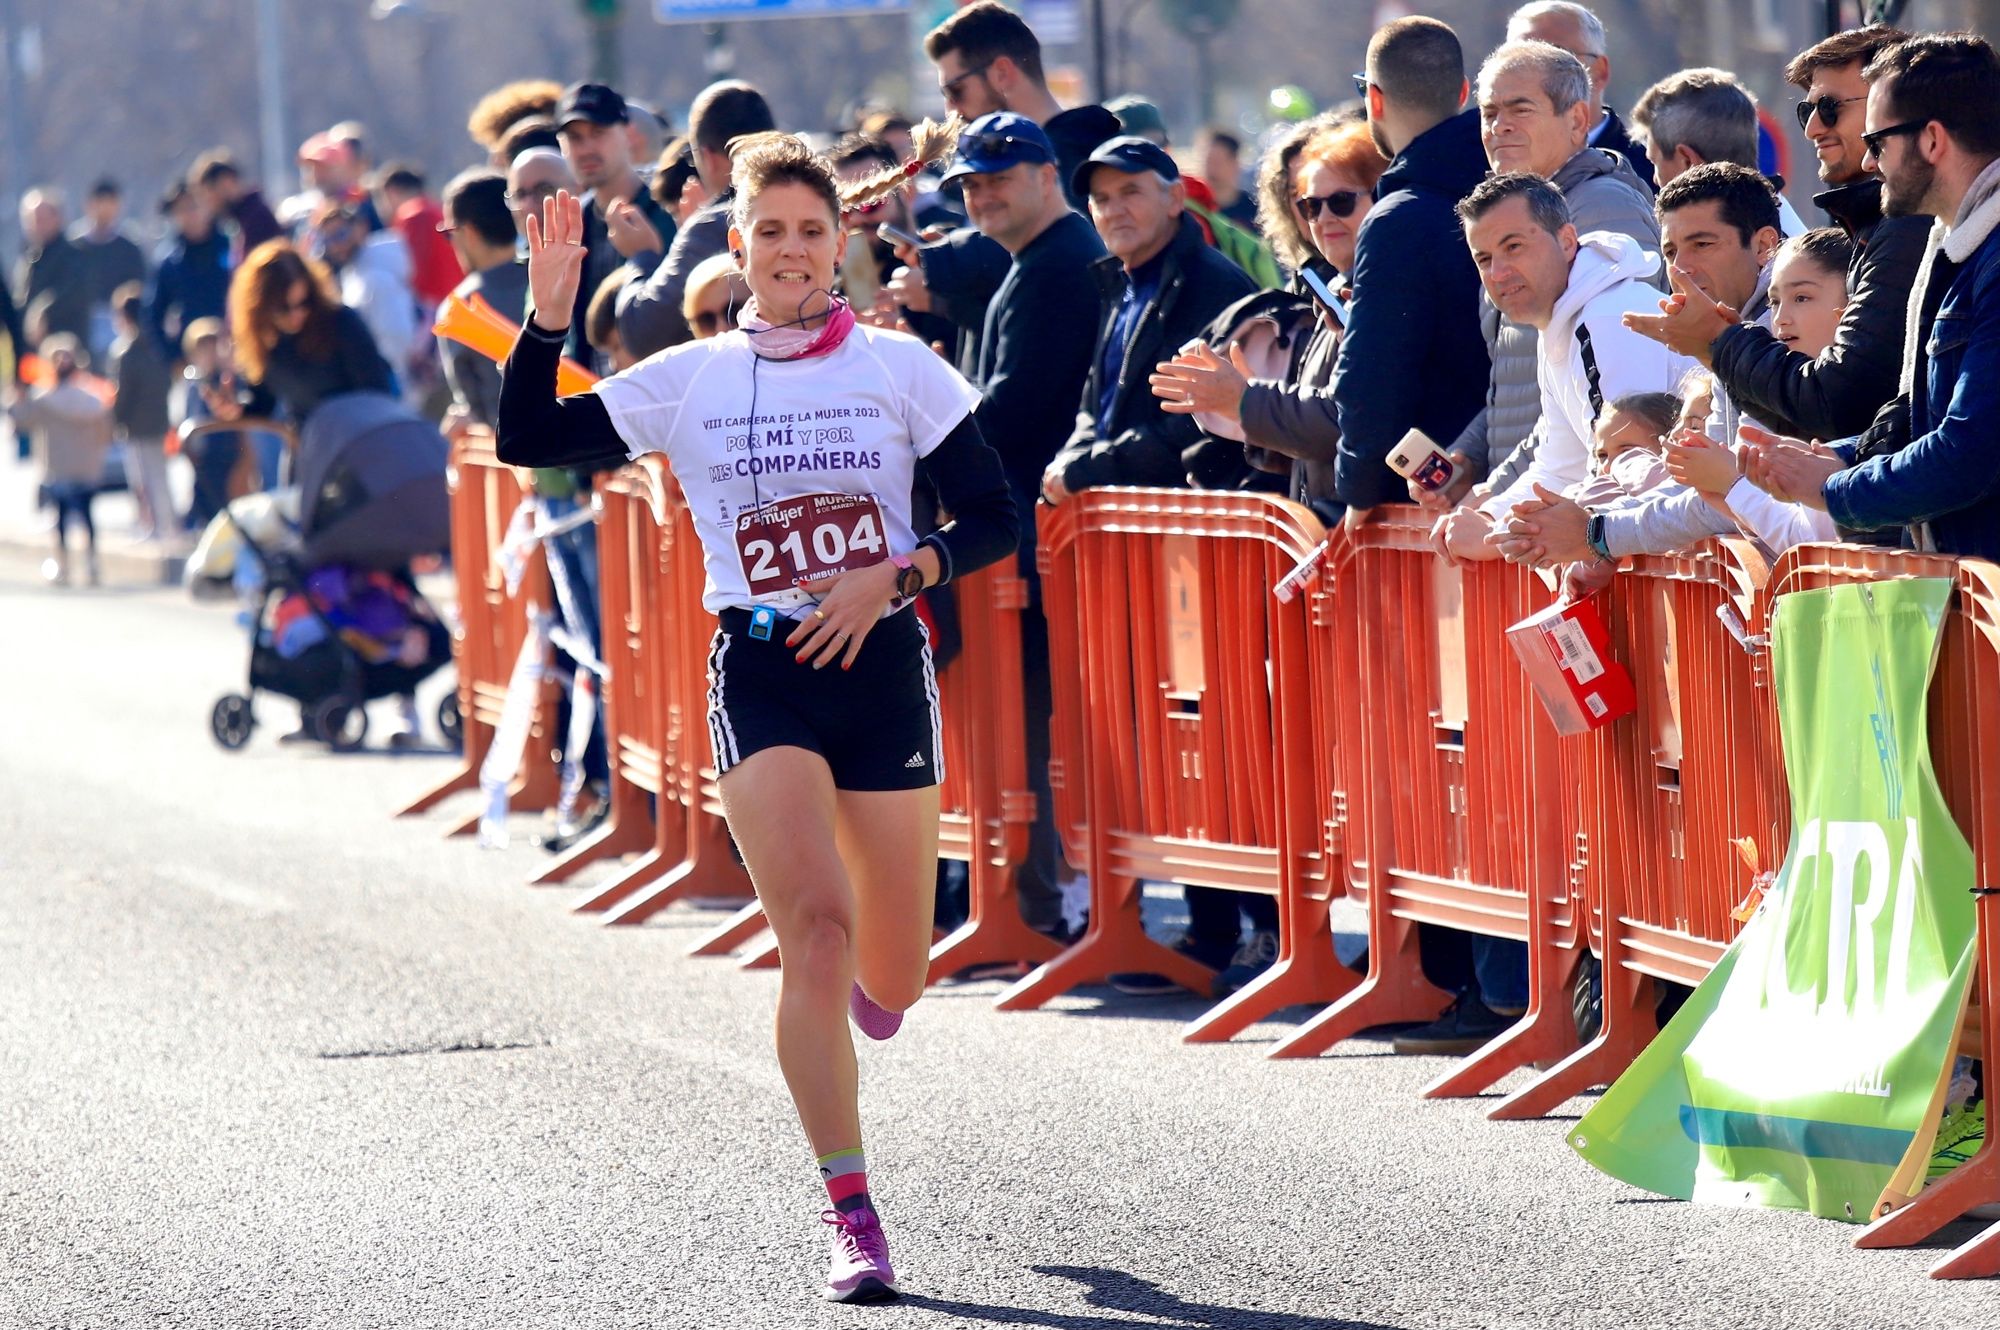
<point>988,941</point>
<point>1311,976</point>
<point>706,871</point>
<point>621,837</point>
<point>1538,1035</point>
<point>648,867</point>
<point>1629,1025</point>
<point>1114,945</point>
<point>732,933</point>
<point>1973,1183</point>
<point>1395,991</point>
<point>465,778</point>
<point>1977,1259</point>
<point>763,955</point>
<point>1596,1063</point>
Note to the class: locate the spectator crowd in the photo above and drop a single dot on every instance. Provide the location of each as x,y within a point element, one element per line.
<point>1617,333</point>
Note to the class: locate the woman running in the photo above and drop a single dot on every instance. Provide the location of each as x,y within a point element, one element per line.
<point>796,439</point>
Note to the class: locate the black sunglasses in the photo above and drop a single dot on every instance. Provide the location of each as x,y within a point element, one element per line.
<point>706,321</point>
<point>1361,86</point>
<point>1826,107</point>
<point>1874,139</point>
<point>950,86</point>
<point>1341,203</point>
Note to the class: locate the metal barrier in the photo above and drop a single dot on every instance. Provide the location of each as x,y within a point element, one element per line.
<point>1475,837</point>
<point>1663,796</point>
<point>663,583</point>
<point>1184,704</point>
<point>492,627</point>
<point>634,506</point>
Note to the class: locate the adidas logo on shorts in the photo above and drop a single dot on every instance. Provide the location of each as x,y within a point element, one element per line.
<point>916,760</point>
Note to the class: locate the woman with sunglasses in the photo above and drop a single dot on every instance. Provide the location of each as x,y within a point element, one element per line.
<point>715,292</point>
<point>1288,426</point>
<point>796,437</point>
<point>296,344</point>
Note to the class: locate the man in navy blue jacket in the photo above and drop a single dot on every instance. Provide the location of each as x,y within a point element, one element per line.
<point>1413,356</point>
<point>192,279</point>
<point>1934,133</point>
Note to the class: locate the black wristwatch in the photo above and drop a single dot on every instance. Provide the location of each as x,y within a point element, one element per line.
<point>1593,536</point>
<point>909,577</point>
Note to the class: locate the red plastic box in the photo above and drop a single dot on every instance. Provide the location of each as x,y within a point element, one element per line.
<point>1567,654</point>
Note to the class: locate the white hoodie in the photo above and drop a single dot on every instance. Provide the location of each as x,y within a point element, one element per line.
<point>376,285</point>
<point>1607,280</point>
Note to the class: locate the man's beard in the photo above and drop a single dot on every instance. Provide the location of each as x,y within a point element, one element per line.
<point>1903,194</point>
<point>1381,142</point>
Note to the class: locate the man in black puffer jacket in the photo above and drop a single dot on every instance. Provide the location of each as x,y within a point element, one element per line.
<point>1838,394</point>
<point>1161,284</point>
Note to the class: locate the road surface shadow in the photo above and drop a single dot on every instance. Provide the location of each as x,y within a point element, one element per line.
<point>1116,1291</point>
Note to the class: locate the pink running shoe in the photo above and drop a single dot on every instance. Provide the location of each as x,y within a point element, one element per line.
<point>873,1021</point>
<point>859,1270</point>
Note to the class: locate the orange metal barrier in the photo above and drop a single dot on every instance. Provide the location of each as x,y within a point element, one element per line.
<point>652,610</point>
<point>492,626</point>
<point>1662,795</point>
<point>634,506</point>
<point>1475,835</point>
<point>1964,720</point>
<point>1183,716</point>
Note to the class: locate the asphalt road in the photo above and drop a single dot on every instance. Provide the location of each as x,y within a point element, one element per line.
<point>269,1058</point>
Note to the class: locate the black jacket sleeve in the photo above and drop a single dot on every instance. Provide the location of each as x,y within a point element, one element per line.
<point>1042,337</point>
<point>1838,394</point>
<point>985,525</point>
<point>362,367</point>
<point>963,270</point>
<point>537,428</point>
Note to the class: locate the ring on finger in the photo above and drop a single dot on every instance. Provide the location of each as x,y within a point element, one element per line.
<point>819,614</point>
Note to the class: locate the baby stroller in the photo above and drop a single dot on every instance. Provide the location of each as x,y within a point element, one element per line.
<point>372,497</point>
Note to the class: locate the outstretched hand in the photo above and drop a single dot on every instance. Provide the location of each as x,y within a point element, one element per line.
<point>555,260</point>
<point>1199,380</point>
<point>1688,321</point>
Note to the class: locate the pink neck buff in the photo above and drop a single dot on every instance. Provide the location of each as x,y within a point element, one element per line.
<point>792,341</point>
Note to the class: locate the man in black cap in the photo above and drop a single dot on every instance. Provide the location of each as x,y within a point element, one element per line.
<point>1160,286</point>
<point>1033,357</point>
<point>621,219</point>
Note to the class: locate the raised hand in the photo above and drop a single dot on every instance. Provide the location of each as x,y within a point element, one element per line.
<point>1699,462</point>
<point>1688,321</point>
<point>555,260</point>
<point>631,233</point>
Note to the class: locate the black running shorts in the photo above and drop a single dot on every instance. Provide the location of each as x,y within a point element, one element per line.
<point>877,725</point>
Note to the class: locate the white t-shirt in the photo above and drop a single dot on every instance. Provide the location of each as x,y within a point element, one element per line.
<point>820,481</point>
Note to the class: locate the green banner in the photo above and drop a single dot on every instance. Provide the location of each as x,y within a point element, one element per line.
<point>1807,1071</point>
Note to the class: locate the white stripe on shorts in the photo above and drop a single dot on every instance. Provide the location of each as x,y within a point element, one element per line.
<point>937,713</point>
<point>721,734</point>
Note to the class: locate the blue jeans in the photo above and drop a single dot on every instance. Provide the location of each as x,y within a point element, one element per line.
<point>1500,967</point>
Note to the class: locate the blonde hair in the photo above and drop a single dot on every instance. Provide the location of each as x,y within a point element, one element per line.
<point>715,268</point>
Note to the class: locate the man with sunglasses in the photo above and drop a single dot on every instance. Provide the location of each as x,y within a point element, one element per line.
<point>1929,462</point>
<point>1837,394</point>
<point>990,61</point>
<point>481,228</point>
